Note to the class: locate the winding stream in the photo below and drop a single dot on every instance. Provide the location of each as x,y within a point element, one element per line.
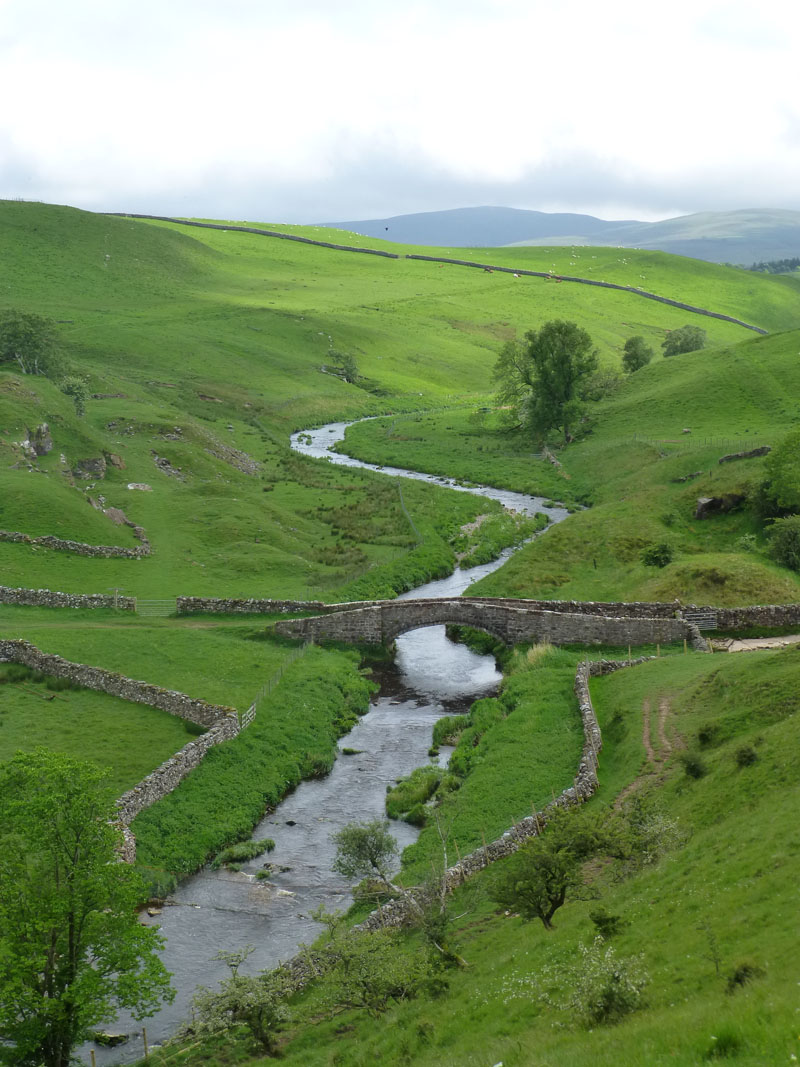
<point>222,910</point>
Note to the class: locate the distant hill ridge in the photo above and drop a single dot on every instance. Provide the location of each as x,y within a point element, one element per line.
<point>743,237</point>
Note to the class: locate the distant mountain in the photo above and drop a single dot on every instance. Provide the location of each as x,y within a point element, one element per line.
<point>744,236</point>
<point>476,227</point>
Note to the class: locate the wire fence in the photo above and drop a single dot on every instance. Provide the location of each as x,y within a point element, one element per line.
<point>246,717</point>
<point>690,443</point>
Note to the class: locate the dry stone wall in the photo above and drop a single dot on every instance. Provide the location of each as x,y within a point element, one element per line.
<point>46,598</point>
<point>81,549</point>
<point>172,771</point>
<point>198,605</point>
<point>185,707</point>
<point>223,723</point>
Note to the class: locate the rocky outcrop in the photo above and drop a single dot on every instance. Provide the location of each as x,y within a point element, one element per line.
<point>40,439</point>
<point>709,506</point>
<point>746,455</point>
<point>89,470</point>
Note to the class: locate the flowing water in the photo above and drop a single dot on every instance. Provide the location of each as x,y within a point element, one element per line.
<point>217,911</point>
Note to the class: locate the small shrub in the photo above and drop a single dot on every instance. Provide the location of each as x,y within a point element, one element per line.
<point>59,685</point>
<point>742,974</point>
<point>745,756</point>
<point>784,542</point>
<point>747,543</point>
<point>658,555</point>
<point>727,1042</point>
<point>708,734</point>
<point>417,816</point>
<point>605,923</point>
<point>694,766</point>
<point>606,987</point>
<point>18,672</point>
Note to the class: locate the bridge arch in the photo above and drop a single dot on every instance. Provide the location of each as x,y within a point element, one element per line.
<point>401,617</point>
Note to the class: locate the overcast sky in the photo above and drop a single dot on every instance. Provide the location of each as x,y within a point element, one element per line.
<point>311,110</point>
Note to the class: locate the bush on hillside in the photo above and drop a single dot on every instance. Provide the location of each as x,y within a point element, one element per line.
<point>605,987</point>
<point>30,343</point>
<point>783,473</point>
<point>658,555</point>
<point>636,354</point>
<point>684,339</point>
<point>784,541</point>
<point>536,879</point>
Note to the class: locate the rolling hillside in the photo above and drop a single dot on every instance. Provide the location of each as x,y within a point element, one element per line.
<point>204,348</point>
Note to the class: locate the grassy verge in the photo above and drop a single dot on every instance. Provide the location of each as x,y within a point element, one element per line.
<point>514,752</point>
<point>292,737</point>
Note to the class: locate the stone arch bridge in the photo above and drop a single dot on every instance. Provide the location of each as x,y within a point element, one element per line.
<point>511,621</point>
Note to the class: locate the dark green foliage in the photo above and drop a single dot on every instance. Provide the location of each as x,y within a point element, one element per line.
<point>78,390</point>
<point>745,756</point>
<point>782,467</point>
<point>241,852</point>
<point>29,343</point>
<point>536,879</point>
<point>14,673</point>
<point>636,353</point>
<point>776,266</point>
<point>742,974</point>
<point>784,541</point>
<point>71,947</point>
<point>543,377</point>
<point>684,339</point>
<point>365,850</point>
<point>605,923</point>
<point>694,766</point>
<point>708,734</point>
<point>658,555</point>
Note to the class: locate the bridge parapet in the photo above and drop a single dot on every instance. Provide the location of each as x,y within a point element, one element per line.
<point>511,622</point>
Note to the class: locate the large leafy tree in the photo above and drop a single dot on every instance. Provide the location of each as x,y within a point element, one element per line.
<point>30,342</point>
<point>543,378</point>
<point>71,948</point>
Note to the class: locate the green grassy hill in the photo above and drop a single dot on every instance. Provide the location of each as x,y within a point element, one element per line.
<point>204,348</point>
<point>629,464</point>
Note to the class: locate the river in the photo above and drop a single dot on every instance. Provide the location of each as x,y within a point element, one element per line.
<point>220,910</point>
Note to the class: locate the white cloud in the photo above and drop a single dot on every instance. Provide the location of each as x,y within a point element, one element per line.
<point>289,105</point>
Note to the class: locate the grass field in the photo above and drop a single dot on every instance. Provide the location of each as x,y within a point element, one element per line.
<point>127,739</point>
